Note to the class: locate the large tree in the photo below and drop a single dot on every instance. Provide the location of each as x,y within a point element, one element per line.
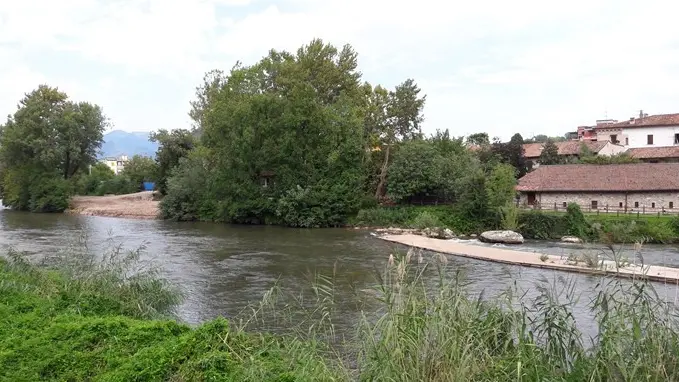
<point>47,141</point>
<point>402,121</point>
<point>512,152</point>
<point>283,141</point>
<point>550,154</point>
<point>172,146</point>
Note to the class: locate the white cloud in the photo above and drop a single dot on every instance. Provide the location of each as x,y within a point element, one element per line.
<point>482,64</point>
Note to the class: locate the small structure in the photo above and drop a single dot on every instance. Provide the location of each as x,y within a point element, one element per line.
<point>117,165</point>
<point>643,187</point>
<point>266,178</point>
<point>571,149</point>
<point>668,154</point>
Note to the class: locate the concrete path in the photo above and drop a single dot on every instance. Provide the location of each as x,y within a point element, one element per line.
<point>530,259</point>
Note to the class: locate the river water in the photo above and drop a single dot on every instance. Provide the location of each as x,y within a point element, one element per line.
<point>223,268</point>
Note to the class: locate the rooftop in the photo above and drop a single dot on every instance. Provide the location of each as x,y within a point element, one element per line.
<point>654,152</point>
<point>650,120</point>
<point>533,150</point>
<point>602,178</point>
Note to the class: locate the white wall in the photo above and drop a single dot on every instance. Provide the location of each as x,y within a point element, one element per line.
<point>662,136</point>
<point>611,149</point>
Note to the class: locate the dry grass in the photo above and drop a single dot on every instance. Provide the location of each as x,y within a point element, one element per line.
<point>140,205</point>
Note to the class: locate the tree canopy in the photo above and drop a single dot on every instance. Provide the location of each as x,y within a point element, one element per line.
<point>45,143</point>
<point>550,154</point>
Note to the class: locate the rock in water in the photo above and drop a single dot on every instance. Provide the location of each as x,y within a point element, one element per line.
<point>504,237</point>
<point>571,239</point>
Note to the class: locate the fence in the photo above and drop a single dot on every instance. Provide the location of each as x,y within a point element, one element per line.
<point>609,210</point>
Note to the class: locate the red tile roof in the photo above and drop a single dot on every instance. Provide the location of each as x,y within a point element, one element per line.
<point>654,152</point>
<point>533,150</point>
<point>602,178</point>
<point>651,120</point>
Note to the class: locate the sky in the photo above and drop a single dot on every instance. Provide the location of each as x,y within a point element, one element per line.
<point>527,66</point>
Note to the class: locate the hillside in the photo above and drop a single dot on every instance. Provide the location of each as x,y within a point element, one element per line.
<point>118,142</point>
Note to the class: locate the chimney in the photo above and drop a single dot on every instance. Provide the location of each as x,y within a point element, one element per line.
<point>641,114</point>
<point>631,120</point>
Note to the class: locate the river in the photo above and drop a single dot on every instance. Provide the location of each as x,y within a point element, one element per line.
<point>223,268</point>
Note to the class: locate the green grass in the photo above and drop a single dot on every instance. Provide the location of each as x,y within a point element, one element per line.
<point>100,325</point>
<point>420,324</point>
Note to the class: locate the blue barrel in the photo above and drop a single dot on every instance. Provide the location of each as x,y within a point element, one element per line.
<point>149,186</point>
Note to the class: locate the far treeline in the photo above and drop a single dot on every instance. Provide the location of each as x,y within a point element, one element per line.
<point>296,139</point>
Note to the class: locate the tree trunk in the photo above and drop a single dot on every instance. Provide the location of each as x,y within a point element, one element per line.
<point>379,193</point>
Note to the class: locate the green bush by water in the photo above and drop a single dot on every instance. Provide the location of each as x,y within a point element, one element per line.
<point>99,324</point>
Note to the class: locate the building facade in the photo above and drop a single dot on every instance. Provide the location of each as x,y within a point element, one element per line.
<point>636,187</point>
<point>117,165</point>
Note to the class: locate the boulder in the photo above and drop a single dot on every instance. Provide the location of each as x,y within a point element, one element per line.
<point>571,239</point>
<point>504,237</point>
<point>437,233</point>
<point>448,234</point>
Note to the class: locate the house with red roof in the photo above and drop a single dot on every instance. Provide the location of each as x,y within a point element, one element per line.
<point>571,149</point>
<point>647,187</point>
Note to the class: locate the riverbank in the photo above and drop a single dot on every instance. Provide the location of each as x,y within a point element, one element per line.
<point>84,321</point>
<point>592,264</point>
<point>140,205</point>
<point>535,225</point>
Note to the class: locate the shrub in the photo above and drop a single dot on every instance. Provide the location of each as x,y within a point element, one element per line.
<point>425,219</point>
<point>576,225</point>
<point>542,226</point>
<point>509,217</point>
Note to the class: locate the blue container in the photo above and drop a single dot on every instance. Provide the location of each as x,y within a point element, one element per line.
<point>149,186</point>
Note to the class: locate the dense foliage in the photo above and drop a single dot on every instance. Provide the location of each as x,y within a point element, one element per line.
<point>45,144</point>
<point>172,146</point>
<point>288,140</point>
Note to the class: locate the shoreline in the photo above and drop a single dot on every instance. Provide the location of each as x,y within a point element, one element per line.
<point>531,259</point>
<point>140,205</point>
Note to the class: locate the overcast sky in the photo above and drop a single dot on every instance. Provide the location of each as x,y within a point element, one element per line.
<point>528,66</point>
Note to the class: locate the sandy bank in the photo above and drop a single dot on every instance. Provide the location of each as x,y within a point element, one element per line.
<point>134,206</point>
<point>530,259</point>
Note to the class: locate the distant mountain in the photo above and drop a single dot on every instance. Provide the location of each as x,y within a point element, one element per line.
<point>118,142</point>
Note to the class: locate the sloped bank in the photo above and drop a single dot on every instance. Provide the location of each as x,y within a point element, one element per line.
<point>140,205</point>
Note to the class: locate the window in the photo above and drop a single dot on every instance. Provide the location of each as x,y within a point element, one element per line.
<point>594,204</point>
<point>565,204</point>
<point>653,205</point>
<point>671,205</point>
<point>626,141</point>
<point>614,138</point>
<point>620,204</point>
<point>649,139</point>
<point>636,204</point>
<point>676,139</point>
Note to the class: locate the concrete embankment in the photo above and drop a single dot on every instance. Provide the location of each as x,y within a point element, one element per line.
<point>530,259</point>
<point>140,205</point>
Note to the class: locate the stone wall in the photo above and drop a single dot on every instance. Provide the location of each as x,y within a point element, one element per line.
<point>643,202</point>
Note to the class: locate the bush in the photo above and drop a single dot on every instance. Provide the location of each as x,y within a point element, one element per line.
<point>426,219</point>
<point>187,190</point>
<point>118,185</point>
<point>576,225</point>
<point>542,226</point>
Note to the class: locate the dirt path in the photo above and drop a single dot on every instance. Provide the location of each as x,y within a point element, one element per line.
<point>135,206</point>
<point>529,259</point>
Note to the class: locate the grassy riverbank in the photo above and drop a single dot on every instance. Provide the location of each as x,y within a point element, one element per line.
<point>541,225</point>
<point>94,323</point>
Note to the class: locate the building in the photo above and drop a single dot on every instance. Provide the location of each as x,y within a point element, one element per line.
<point>645,131</point>
<point>571,150</point>
<point>655,154</point>
<point>644,187</point>
<point>117,165</point>
<point>589,133</point>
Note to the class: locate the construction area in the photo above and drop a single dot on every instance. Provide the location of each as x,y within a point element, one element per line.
<point>140,205</point>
